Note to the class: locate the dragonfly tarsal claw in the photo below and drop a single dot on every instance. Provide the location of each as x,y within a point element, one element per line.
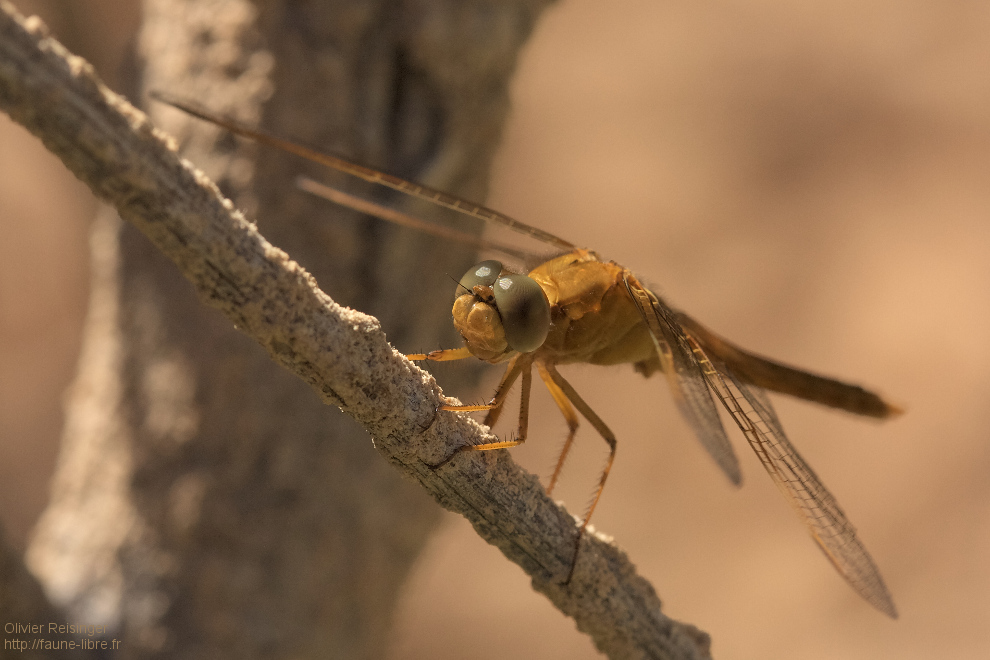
<point>433,419</point>
<point>436,466</point>
<point>574,559</point>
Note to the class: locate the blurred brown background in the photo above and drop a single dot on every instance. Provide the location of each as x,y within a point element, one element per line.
<point>812,181</point>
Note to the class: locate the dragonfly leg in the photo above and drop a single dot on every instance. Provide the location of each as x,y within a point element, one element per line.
<point>567,410</point>
<point>444,355</point>
<point>515,368</point>
<point>501,392</point>
<point>606,434</point>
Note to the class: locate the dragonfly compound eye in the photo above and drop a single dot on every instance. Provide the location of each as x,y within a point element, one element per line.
<point>525,311</point>
<point>484,274</point>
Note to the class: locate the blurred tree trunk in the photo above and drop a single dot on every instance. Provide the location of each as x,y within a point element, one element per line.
<point>206,504</point>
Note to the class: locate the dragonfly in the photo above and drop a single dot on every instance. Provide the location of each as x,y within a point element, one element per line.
<point>577,307</point>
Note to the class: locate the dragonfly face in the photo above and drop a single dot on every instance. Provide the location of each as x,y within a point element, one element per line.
<point>500,313</point>
<point>579,308</point>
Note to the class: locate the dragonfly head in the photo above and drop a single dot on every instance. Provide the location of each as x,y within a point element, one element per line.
<point>498,312</point>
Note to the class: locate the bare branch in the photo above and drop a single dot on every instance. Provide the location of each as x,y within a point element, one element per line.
<point>341,353</point>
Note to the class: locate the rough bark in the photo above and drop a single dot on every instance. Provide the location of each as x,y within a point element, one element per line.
<point>206,502</point>
<point>228,508</point>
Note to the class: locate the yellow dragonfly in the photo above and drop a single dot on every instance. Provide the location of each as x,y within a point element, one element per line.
<point>578,308</point>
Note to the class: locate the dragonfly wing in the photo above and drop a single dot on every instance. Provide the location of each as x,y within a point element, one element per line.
<point>687,380</point>
<point>835,535</point>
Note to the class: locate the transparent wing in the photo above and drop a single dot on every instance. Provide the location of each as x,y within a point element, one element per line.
<point>427,194</point>
<point>687,380</point>
<point>835,535</point>
<point>528,258</point>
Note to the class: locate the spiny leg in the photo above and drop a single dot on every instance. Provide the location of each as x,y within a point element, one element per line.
<point>524,367</point>
<point>448,354</point>
<point>567,410</point>
<point>516,366</point>
<point>527,385</point>
<point>608,436</point>
<point>502,391</point>
<point>512,371</point>
<point>443,355</point>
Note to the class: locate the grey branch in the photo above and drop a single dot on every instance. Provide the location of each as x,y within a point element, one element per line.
<point>339,352</point>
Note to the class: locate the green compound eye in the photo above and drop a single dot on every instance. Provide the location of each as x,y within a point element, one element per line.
<point>525,311</point>
<point>483,274</point>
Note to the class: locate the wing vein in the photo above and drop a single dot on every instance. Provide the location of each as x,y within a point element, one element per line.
<point>829,526</point>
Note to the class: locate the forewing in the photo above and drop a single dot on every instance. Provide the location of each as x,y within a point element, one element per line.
<point>427,194</point>
<point>752,411</point>
<point>687,380</point>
